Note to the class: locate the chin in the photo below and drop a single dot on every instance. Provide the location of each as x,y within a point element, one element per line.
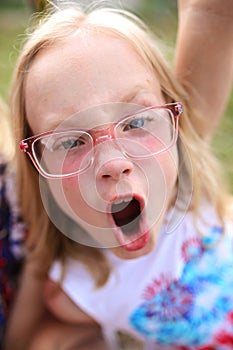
<point>126,254</point>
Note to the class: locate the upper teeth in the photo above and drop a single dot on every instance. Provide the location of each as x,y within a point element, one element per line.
<point>122,200</point>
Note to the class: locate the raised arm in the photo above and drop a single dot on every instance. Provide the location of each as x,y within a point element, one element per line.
<point>204,58</point>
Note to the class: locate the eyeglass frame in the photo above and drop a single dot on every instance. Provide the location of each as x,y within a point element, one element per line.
<point>26,145</point>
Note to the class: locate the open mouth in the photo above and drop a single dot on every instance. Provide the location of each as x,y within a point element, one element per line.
<point>129,224</point>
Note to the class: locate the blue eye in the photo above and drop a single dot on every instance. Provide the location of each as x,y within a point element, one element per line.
<point>69,144</point>
<point>66,141</point>
<point>135,124</point>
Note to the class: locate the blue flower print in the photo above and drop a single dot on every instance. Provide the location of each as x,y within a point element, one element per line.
<point>189,312</point>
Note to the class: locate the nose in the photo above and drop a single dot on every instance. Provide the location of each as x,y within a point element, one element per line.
<point>115,169</point>
<point>110,162</point>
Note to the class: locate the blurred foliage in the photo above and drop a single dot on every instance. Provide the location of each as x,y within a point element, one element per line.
<point>161,10</point>
<point>12,25</point>
<point>223,142</point>
<point>12,4</point>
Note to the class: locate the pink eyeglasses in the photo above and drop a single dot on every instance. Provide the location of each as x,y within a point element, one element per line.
<point>65,153</point>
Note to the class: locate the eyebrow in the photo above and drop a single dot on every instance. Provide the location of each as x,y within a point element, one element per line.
<point>53,123</point>
<point>132,94</point>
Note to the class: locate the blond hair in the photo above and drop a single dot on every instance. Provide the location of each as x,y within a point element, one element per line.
<point>6,136</point>
<point>44,238</point>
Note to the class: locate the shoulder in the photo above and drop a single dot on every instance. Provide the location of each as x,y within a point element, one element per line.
<point>61,305</point>
<point>73,277</point>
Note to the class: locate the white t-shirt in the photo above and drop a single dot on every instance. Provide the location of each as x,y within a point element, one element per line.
<point>180,296</point>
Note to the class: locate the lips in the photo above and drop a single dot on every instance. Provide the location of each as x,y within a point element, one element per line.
<point>130,228</point>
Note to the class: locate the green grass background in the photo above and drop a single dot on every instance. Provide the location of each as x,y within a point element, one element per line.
<point>13,22</point>
<point>12,26</point>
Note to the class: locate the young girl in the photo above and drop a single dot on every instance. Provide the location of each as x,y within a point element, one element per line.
<point>11,228</point>
<point>132,235</point>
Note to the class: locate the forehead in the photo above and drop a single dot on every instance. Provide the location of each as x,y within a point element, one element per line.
<point>85,70</point>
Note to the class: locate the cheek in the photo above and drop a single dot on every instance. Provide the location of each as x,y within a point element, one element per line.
<point>76,200</point>
<point>170,165</point>
<point>162,170</point>
<point>161,174</point>
<point>73,216</point>
<point>69,200</point>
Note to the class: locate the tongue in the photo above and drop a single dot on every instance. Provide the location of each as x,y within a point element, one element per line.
<point>131,229</point>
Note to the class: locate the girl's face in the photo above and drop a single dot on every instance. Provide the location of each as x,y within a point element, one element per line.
<point>97,79</point>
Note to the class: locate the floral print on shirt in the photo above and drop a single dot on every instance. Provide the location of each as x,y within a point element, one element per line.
<point>195,311</point>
